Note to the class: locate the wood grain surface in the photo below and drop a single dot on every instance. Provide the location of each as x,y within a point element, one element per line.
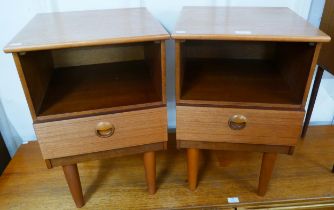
<point>267,168</point>
<point>263,126</point>
<point>150,171</point>
<point>72,177</point>
<point>303,180</point>
<point>87,28</point>
<point>78,136</point>
<point>245,23</point>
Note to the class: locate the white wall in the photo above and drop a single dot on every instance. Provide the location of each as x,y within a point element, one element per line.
<point>15,120</point>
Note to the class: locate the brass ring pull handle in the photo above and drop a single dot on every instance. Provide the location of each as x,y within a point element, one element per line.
<point>237,122</point>
<point>104,129</point>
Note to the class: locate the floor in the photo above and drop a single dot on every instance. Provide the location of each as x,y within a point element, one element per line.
<point>301,181</point>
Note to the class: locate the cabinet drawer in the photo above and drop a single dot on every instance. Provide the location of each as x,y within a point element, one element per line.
<point>270,127</point>
<point>93,134</point>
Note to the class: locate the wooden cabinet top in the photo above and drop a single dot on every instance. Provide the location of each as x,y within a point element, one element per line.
<point>245,23</point>
<point>87,28</point>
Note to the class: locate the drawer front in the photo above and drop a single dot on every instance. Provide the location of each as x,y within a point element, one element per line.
<point>269,127</point>
<point>80,136</point>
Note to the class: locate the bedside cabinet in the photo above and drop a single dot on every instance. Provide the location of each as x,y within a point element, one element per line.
<point>242,81</point>
<point>95,86</point>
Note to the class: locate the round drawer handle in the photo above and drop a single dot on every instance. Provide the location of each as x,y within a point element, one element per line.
<point>237,122</point>
<point>104,129</point>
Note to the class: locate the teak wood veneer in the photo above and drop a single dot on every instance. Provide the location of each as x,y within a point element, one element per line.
<point>95,86</point>
<point>242,80</point>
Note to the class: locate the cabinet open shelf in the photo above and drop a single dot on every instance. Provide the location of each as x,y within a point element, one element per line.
<point>98,86</point>
<point>72,82</point>
<point>245,73</point>
<point>236,81</point>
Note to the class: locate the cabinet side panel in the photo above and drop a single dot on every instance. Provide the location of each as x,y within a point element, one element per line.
<point>311,73</point>
<point>294,60</point>
<point>24,85</point>
<point>178,69</point>
<point>153,61</point>
<point>163,71</point>
<point>35,70</point>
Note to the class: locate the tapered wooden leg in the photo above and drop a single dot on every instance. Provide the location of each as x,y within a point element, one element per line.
<point>192,160</point>
<point>149,164</point>
<point>73,180</point>
<point>313,98</point>
<point>268,163</point>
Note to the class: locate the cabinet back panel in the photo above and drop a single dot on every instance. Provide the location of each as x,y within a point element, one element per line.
<point>97,55</point>
<point>230,49</point>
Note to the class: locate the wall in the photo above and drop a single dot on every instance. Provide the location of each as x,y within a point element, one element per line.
<point>15,121</point>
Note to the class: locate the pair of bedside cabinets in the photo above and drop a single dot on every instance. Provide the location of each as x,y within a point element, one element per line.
<point>95,82</point>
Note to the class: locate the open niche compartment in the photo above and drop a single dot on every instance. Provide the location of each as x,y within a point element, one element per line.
<point>92,79</point>
<point>251,72</point>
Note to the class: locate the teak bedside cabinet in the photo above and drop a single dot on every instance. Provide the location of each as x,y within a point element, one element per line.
<point>95,86</point>
<point>242,81</point>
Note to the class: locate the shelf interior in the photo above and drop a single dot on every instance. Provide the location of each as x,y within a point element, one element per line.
<point>87,80</point>
<point>89,87</point>
<point>229,72</point>
<point>235,81</point>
